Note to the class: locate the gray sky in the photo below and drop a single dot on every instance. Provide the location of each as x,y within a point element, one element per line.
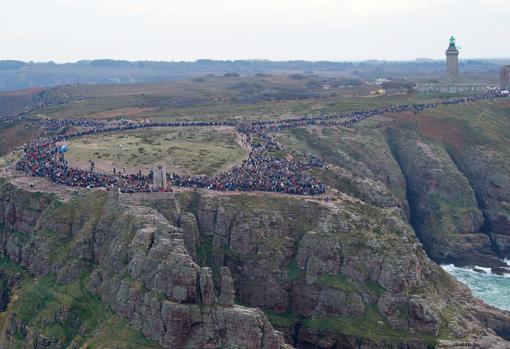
<point>69,30</point>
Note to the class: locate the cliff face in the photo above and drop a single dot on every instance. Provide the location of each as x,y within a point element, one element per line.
<point>456,163</point>
<point>489,172</point>
<point>177,269</point>
<point>445,211</point>
<point>333,274</point>
<point>447,170</point>
<point>129,257</point>
<point>209,270</point>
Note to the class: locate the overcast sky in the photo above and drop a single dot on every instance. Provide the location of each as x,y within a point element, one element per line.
<point>172,30</point>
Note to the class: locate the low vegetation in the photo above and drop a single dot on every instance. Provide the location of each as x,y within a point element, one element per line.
<point>185,151</point>
<point>70,313</point>
<point>371,326</point>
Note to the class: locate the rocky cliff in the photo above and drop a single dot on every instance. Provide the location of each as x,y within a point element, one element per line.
<point>456,164</point>
<point>351,269</point>
<point>447,170</point>
<point>193,270</point>
<point>332,274</point>
<point>66,264</point>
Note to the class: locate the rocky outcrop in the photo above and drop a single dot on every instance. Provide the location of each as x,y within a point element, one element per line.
<point>345,270</point>
<point>227,294</point>
<point>136,262</point>
<point>450,168</point>
<point>334,275</point>
<point>475,137</point>
<point>489,174</point>
<point>188,223</point>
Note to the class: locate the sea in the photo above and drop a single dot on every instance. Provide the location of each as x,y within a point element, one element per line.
<point>491,288</point>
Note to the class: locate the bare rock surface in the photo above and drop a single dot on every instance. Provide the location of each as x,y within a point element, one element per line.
<point>446,214</point>
<point>140,268</point>
<point>314,265</point>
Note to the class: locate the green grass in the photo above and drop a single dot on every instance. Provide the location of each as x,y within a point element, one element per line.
<point>295,272</point>
<point>10,268</point>
<point>365,327</point>
<point>338,281</point>
<point>87,205</point>
<point>14,135</point>
<point>186,151</point>
<point>447,314</point>
<point>204,250</point>
<point>217,98</point>
<point>194,202</point>
<point>83,212</point>
<point>375,287</point>
<point>19,236</point>
<point>282,319</point>
<point>50,233</point>
<point>33,300</point>
<point>87,321</point>
<point>467,125</point>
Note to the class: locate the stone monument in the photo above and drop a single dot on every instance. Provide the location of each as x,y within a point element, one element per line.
<point>159,177</point>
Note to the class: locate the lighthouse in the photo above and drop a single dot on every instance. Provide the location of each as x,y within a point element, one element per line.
<point>452,63</point>
<point>451,84</point>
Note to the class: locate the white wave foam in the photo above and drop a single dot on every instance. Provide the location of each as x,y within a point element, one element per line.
<point>492,288</point>
<point>450,268</point>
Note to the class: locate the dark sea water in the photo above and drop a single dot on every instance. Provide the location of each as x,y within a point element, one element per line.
<point>491,288</point>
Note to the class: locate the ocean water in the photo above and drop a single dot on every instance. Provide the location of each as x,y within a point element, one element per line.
<point>491,288</point>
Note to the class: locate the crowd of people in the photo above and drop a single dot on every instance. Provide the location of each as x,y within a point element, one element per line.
<point>263,170</point>
<point>43,158</point>
<point>258,127</point>
<point>348,119</point>
<point>37,103</point>
<point>260,173</point>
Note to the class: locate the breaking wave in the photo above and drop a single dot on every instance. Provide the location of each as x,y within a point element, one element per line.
<point>492,288</point>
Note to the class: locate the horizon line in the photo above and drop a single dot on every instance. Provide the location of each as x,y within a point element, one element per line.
<point>246,60</point>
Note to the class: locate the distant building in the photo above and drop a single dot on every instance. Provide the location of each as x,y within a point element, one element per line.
<point>451,84</point>
<point>504,82</point>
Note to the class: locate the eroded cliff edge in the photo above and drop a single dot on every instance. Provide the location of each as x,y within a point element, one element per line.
<point>447,170</point>
<point>200,270</point>
<point>189,270</point>
<point>72,270</point>
<point>333,274</point>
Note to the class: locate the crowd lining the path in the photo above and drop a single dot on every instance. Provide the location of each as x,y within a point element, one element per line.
<point>261,171</point>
